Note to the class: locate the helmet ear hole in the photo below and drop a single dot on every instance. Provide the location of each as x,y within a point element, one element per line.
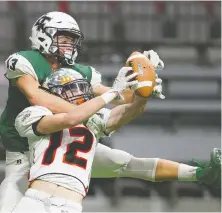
<point>41,39</point>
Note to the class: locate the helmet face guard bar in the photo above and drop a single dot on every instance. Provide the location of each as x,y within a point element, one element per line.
<point>75,34</point>
<point>54,33</point>
<point>76,92</point>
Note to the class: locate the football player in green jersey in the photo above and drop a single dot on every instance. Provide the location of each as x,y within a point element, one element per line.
<point>56,41</point>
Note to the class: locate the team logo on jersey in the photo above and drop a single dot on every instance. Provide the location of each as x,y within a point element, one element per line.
<point>25,115</point>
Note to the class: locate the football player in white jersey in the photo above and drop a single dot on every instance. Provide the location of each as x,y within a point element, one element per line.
<point>61,162</point>
<point>61,146</point>
<point>56,41</point>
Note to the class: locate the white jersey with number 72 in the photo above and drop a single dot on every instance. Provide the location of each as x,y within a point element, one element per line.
<point>64,158</point>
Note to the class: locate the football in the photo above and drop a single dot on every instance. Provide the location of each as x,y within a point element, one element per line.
<point>146,73</point>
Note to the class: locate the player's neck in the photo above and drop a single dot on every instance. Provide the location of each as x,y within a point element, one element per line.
<point>55,66</point>
<point>53,63</point>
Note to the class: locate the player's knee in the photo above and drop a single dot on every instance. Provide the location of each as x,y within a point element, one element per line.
<point>142,168</point>
<point>120,157</point>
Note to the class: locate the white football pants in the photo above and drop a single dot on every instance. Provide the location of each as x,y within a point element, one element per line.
<point>15,184</point>
<point>36,201</point>
<point>107,163</point>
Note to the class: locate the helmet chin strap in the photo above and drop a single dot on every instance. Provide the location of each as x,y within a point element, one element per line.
<point>72,60</point>
<point>66,60</point>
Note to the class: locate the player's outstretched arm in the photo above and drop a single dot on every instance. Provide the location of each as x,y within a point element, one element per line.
<point>49,123</point>
<point>127,94</point>
<point>57,122</point>
<point>123,114</point>
<point>36,96</point>
<point>29,86</point>
<point>41,121</point>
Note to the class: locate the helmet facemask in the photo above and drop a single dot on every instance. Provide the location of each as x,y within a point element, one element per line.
<point>76,92</point>
<point>66,45</point>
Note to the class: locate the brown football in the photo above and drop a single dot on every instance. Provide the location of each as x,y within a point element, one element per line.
<point>146,77</point>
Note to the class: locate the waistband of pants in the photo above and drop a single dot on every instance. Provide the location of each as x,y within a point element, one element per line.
<point>48,199</point>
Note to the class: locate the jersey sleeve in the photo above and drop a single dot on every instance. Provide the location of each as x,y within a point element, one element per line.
<point>27,118</point>
<point>96,77</point>
<point>17,65</point>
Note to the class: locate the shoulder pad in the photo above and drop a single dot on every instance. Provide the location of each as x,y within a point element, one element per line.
<point>96,77</point>
<point>17,65</point>
<point>30,115</point>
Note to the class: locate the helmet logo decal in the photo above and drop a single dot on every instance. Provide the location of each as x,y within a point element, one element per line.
<point>41,22</point>
<point>66,79</point>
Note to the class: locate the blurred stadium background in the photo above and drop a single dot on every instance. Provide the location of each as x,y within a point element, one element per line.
<point>187,36</point>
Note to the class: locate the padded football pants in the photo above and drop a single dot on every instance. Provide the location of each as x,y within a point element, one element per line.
<point>36,201</point>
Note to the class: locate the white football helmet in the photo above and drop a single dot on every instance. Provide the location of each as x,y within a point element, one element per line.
<point>50,25</point>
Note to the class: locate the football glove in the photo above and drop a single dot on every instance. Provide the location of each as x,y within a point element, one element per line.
<point>154,59</point>
<point>157,90</point>
<point>96,124</point>
<point>123,80</point>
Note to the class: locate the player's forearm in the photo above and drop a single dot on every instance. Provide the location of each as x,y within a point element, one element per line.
<point>50,124</point>
<point>128,98</point>
<point>36,96</point>
<point>85,111</point>
<point>52,102</point>
<point>127,94</point>
<point>123,114</point>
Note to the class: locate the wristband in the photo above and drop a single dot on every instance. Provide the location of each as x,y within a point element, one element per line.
<point>108,96</point>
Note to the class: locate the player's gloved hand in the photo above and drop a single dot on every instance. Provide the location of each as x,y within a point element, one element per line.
<point>96,124</point>
<point>157,90</point>
<point>123,80</point>
<point>154,59</point>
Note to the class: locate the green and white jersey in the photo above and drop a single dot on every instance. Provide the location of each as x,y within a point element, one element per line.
<point>32,63</point>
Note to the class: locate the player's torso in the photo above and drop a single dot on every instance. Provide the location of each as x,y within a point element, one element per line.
<point>64,158</point>
<point>17,101</point>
